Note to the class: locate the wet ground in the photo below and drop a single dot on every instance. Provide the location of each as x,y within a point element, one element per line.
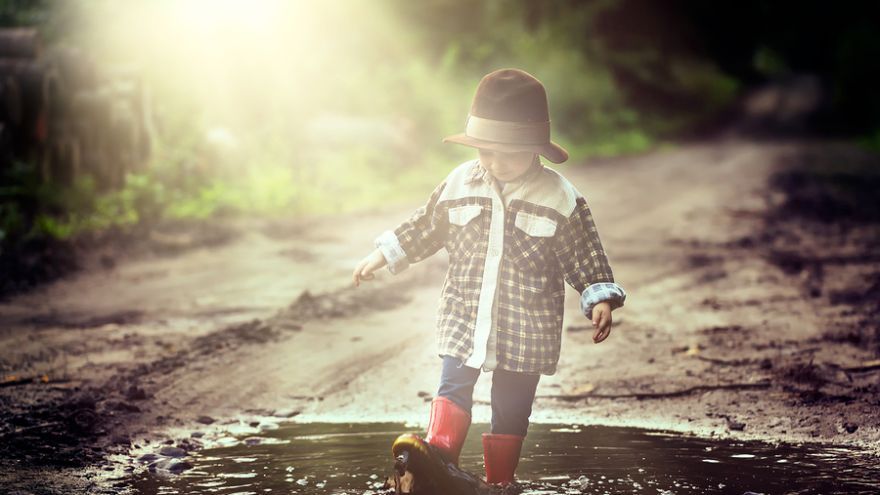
<point>326,458</point>
<point>753,314</point>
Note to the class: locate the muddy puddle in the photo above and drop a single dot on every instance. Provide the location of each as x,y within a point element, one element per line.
<point>565,459</point>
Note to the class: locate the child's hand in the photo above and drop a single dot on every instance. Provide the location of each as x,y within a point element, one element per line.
<point>364,270</point>
<point>601,321</point>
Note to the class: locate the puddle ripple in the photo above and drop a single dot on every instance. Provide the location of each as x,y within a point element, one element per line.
<point>557,459</point>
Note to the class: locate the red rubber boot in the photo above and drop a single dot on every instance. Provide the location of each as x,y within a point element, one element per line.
<point>448,427</point>
<point>501,455</point>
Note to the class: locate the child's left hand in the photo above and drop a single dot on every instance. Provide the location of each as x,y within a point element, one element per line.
<point>601,321</point>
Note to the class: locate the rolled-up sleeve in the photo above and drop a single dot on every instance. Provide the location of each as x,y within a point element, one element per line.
<point>417,238</point>
<point>583,262</point>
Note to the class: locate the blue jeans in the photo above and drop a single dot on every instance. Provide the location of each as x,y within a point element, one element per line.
<point>512,394</point>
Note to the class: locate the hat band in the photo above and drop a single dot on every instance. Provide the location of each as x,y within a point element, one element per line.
<point>501,131</point>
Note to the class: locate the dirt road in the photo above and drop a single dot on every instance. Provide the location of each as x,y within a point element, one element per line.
<point>728,329</point>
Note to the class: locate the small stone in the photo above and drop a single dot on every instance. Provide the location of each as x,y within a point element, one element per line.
<point>136,393</point>
<point>735,425</point>
<point>125,407</point>
<point>178,466</point>
<point>205,420</point>
<point>172,451</point>
<point>175,466</point>
<point>121,440</point>
<point>187,445</point>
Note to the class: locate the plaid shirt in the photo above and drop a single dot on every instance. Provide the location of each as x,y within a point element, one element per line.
<point>509,256</point>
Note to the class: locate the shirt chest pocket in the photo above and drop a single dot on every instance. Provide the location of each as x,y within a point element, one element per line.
<point>530,248</point>
<point>465,230</point>
<point>462,215</point>
<point>535,225</point>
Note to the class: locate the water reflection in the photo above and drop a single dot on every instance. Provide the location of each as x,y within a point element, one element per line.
<point>566,459</point>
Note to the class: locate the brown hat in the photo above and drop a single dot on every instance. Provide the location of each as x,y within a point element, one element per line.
<point>509,113</point>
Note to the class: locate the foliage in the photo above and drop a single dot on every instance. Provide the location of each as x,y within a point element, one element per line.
<point>22,194</point>
<point>756,40</point>
<point>399,77</point>
<point>871,141</point>
<point>22,12</point>
<point>30,208</point>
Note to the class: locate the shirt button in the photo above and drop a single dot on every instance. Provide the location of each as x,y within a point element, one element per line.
<point>494,253</point>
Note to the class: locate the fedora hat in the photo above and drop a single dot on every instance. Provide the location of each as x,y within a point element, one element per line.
<point>509,113</point>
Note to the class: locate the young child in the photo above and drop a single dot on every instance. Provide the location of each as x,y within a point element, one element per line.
<point>515,231</point>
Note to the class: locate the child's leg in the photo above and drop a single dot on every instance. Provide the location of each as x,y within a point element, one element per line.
<point>451,409</point>
<point>512,398</point>
<point>457,382</point>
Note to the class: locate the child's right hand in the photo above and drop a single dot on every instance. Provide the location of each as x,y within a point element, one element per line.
<point>364,270</point>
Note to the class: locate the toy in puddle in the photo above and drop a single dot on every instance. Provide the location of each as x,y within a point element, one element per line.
<point>422,469</point>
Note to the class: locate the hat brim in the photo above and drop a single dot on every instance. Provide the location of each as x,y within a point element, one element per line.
<point>550,150</point>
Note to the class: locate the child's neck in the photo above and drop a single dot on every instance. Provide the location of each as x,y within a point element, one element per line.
<point>526,172</point>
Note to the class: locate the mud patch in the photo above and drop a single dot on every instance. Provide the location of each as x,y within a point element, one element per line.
<point>799,307</point>
<point>29,264</point>
<point>816,190</point>
<point>343,303</point>
<point>83,321</point>
<point>59,427</point>
<point>830,210</point>
<point>299,254</point>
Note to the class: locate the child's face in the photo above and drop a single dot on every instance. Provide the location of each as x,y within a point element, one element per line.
<point>506,166</point>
